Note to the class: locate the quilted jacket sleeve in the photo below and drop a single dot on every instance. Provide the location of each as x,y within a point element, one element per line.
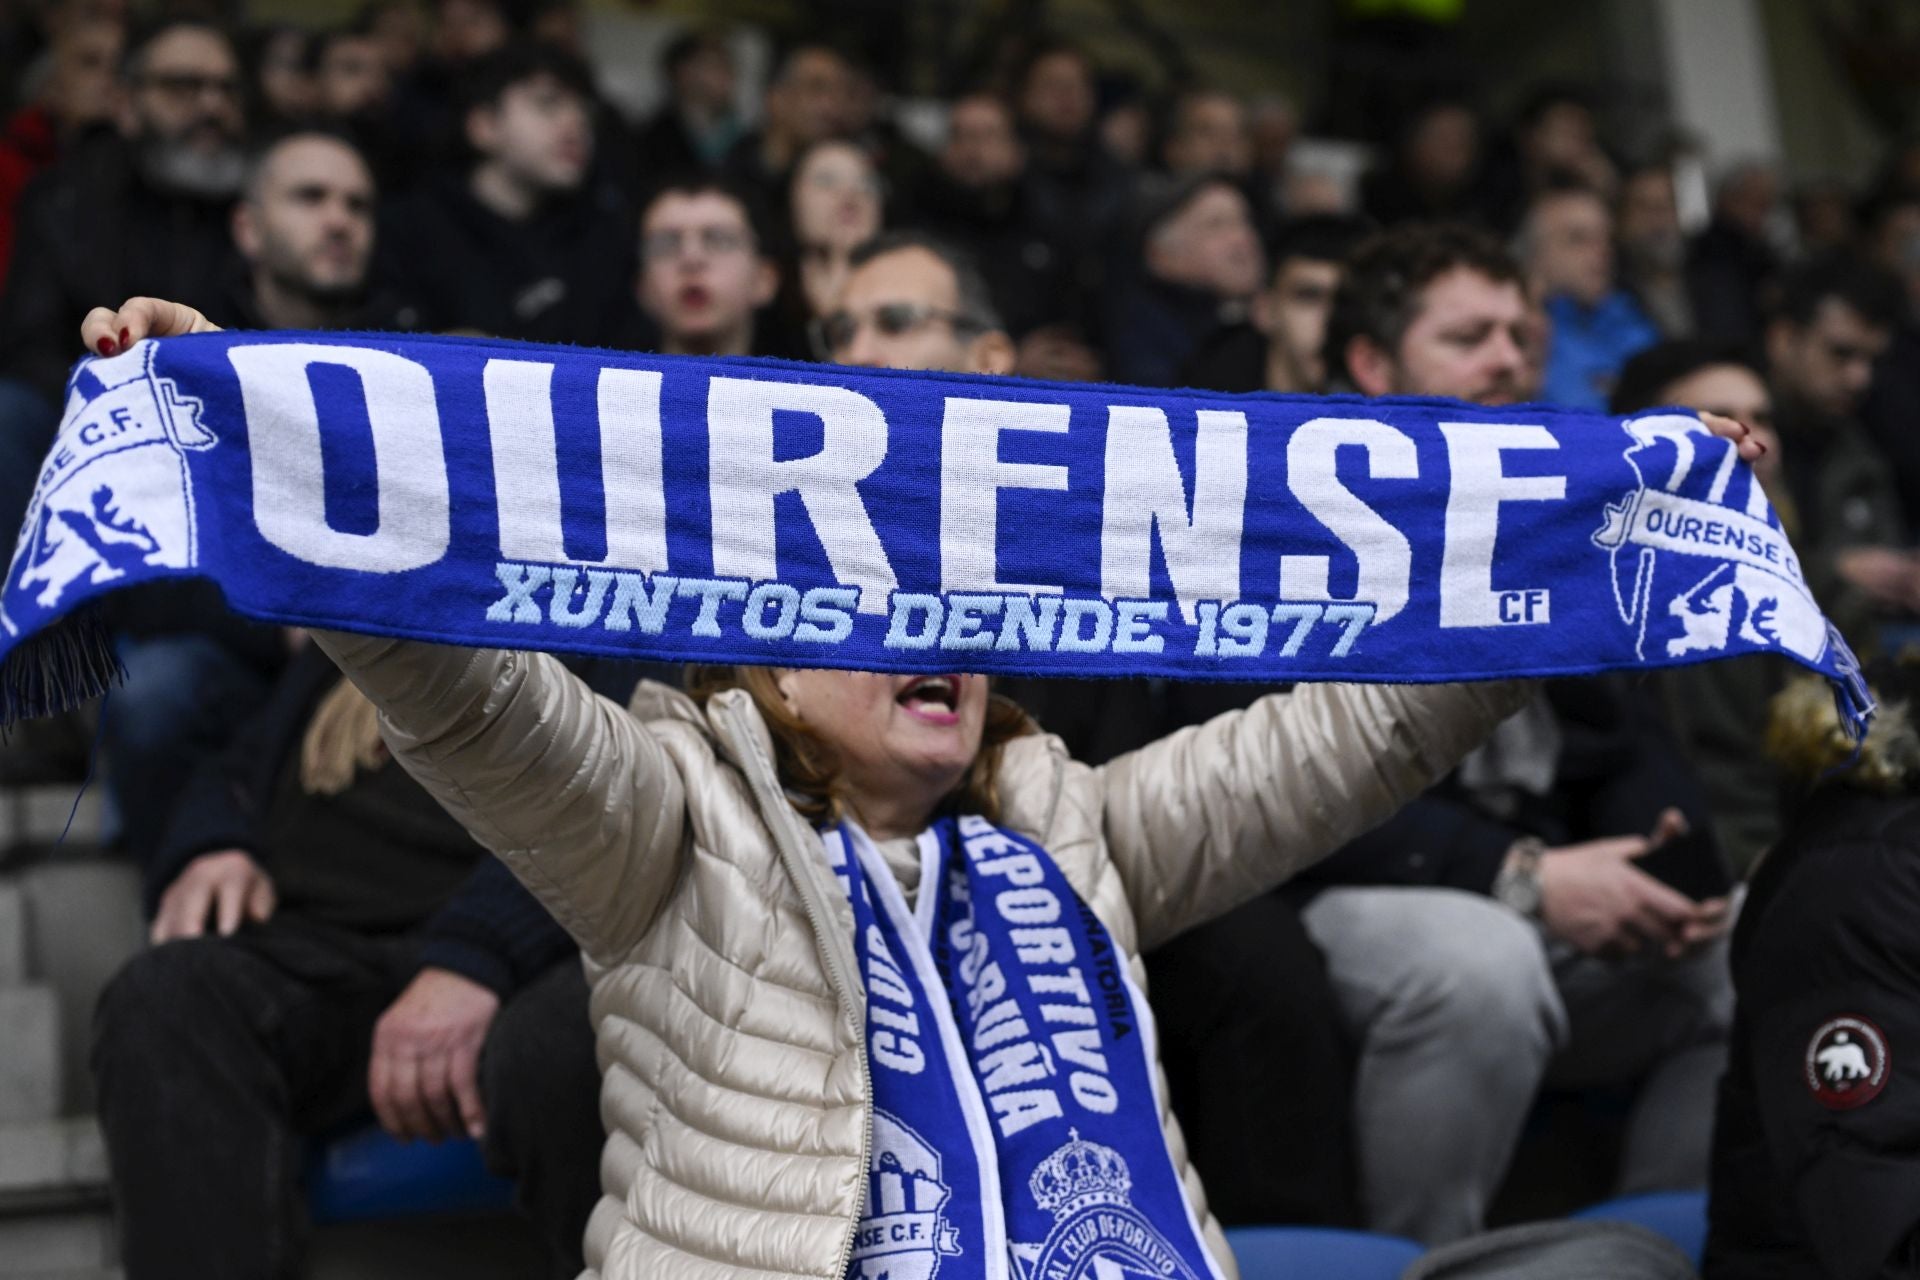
<point>572,793</point>
<point>1220,812</point>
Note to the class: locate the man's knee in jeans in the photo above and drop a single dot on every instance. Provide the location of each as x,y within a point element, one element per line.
<point>1442,965</point>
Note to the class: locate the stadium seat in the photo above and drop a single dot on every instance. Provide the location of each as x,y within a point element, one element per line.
<point>1680,1216</point>
<point>365,1174</point>
<point>1289,1253</point>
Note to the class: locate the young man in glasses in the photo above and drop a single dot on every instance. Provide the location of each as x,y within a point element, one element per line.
<point>704,271</point>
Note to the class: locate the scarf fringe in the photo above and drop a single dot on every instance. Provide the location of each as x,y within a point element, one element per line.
<point>58,669</point>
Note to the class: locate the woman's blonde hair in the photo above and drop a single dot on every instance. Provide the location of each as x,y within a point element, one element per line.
<point>811,774</point>
<point>1805,739</point>
<point>342,739</point>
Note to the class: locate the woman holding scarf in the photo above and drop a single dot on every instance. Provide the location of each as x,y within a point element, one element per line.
<point>865,948</point>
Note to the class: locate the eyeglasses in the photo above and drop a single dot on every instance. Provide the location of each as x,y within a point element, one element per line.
<point>715,241</point>
<point>834,333</point>
<point>185,84</point>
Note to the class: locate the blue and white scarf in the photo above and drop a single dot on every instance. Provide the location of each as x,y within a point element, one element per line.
<point>751,511</point>
<point>1016,1130</point>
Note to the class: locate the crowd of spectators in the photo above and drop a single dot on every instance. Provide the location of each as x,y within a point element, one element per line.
<point>1554,915</point>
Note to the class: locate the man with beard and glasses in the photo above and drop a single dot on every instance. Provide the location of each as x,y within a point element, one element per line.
<point>142,210</point>
<point>1551,912</point>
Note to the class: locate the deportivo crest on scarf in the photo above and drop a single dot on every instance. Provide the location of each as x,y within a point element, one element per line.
<point>1016,1119</point>
<point>753,511</point>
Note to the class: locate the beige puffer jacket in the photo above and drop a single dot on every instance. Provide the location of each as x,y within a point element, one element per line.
<point>728,1008</point>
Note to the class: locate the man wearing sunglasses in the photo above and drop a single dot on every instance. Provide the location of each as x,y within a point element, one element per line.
<point>139,210</point>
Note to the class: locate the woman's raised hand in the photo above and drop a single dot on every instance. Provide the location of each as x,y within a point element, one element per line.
<point>110,332</point>
<point>1750,447</point>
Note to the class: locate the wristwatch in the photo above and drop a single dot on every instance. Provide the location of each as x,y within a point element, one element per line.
<point>1518,884</point>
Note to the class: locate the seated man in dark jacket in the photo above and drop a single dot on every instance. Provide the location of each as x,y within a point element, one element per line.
<point>1816,1144</point>
<point>329,941</point>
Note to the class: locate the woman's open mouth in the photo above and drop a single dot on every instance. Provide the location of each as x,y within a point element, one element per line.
<point>934,699</point>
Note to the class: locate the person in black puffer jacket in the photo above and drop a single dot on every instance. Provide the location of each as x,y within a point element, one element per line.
<point>1816,1152</point>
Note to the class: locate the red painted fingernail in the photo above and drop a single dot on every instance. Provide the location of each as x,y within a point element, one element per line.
<point>106,346</point>
<point>126,338</point>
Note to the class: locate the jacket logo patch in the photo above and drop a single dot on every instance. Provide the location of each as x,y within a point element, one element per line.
<point>1847,1063</point>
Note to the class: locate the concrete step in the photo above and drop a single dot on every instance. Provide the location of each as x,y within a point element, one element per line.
<point>40,813</point>
<point>52,1164</point>
<point>78,1241</point>
<point>13,934</point>
<point>30,1067</point>
<point>83,923</point>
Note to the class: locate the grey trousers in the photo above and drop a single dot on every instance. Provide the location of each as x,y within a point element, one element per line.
<point>1463,1009</point>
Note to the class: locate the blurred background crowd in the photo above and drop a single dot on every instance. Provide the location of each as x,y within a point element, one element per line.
<point>1714,203</point>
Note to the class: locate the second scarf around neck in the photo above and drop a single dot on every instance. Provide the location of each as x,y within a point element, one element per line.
<point>1016,1125</point>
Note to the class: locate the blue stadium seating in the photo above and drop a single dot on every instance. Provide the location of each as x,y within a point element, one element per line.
<point>365,1174</point>
<point>1680,1216</point>
<point>1296,1253</point>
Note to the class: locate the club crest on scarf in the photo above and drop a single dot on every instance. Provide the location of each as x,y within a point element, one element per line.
<point>1016,1130</point>
<point>1699,560</point>
<point>103,508</point>
<point>1097,1233</point>
<point>903,1235</point>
